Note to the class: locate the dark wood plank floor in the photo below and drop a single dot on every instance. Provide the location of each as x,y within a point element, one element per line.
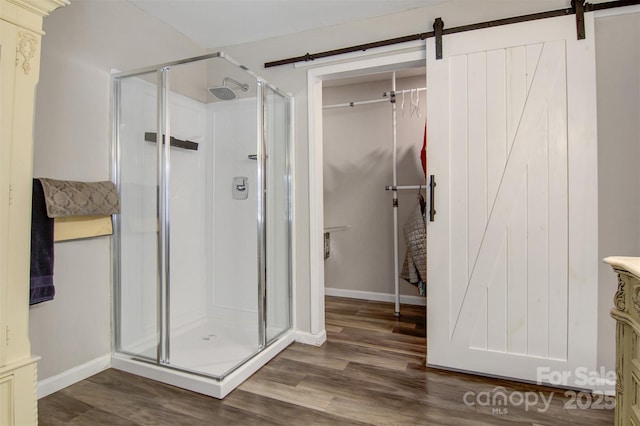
<point>370,372</point>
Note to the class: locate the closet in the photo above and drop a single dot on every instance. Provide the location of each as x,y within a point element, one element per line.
<point>361,154</point>
<point>20,42</point>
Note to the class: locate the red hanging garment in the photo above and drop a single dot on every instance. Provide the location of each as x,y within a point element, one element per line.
<point>423,152</point>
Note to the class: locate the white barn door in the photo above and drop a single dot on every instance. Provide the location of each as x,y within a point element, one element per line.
<point>512,253</point>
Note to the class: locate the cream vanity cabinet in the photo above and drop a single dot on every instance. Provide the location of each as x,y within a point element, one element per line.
<point>627,315</point>
<point>20,42</point>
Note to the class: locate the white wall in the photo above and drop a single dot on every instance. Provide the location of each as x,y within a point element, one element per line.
<point>357,158</point>
<point>618,65</point>
<point>84,41</point>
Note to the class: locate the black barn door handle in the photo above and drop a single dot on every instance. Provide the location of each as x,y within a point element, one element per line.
<point>432,198</point>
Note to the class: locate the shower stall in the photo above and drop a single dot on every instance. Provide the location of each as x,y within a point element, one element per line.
<point>202,248</point>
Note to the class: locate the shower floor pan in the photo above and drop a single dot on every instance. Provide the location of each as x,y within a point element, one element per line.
<point>200,353</point>
<point>206,350</point>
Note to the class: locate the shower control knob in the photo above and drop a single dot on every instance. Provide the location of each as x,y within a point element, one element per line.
<point>240,188</point>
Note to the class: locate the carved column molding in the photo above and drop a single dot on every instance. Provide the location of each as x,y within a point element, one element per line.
<point>618,299</point>
<point>26,49</point>
<point>619,375</point>
<point>635,298</point>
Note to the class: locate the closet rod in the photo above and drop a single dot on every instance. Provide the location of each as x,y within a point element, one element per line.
<point>401,187</point>
<point>386,97</point>
<point>588,7</point>
<point>356,103</point>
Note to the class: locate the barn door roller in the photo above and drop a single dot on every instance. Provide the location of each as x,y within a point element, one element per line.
<point>438,26</point>
<point>578,7</point>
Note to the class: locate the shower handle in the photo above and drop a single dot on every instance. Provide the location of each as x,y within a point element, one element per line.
<point>240,188</point>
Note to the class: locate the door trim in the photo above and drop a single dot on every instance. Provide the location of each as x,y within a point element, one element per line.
<point>315,77</point>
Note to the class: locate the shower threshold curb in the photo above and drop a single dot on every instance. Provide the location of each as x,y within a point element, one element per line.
<point>201,384</point>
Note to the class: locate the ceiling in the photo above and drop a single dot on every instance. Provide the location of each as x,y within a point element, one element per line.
<point>218,23</point>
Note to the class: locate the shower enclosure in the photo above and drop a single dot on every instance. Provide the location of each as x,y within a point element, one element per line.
<point>202,249</point>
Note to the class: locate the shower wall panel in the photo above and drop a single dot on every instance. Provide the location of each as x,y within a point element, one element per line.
<point>188,216</point>
<point>234,296</point>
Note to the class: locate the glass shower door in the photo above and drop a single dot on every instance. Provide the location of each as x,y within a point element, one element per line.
<point>136,173</point>
<point>277,131</point>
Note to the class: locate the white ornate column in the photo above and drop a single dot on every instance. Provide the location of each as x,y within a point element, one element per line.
<point>20,36</point>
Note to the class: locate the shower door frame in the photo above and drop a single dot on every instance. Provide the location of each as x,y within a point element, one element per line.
<point>163,213</point>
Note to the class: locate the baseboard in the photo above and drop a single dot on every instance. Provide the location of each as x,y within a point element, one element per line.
<point>378,297</point>
<point>311,339</point>
<point>73,375</point>
<point>604,386</point>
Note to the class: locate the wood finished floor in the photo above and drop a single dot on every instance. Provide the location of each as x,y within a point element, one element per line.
<point>370,372</point>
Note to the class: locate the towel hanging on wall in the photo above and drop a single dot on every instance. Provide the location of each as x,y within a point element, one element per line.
<point>41,287</point>
<point>71,198</point>
<point>80,209</point>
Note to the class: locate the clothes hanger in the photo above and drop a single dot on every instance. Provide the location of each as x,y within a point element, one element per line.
<point>402,108</point>
<point>415,105</point>
<point>411,104</point>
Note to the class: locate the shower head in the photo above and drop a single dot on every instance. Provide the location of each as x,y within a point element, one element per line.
<point>226,93</point>
<point>223,93</point>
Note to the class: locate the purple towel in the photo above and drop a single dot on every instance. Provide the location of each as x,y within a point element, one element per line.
<point>41,285</point>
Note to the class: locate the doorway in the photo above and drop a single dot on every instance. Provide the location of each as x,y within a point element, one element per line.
<point>374,211</point>
<point>364,145</point>
<point>317,78</point>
